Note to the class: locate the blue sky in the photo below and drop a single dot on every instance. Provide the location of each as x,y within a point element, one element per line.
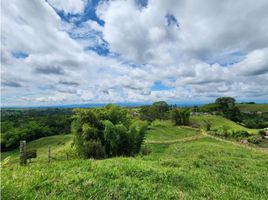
<point>86,51</point>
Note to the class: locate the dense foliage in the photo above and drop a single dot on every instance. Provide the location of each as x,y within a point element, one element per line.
<point>181,116</point>
<point>31,124</point>
<point>107,132</point>
<point>226,107</point>
<point>159,110</point>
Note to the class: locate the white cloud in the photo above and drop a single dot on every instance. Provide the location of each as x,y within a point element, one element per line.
<point>213,49</point>
<point>68,6</point>
<point>255,63</point>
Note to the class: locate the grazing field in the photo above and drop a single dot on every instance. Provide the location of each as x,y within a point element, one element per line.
<point>253,107</point>
<point>166,131</point>
<point>219,121</point>
<point>201,168</point>
<point>58,143</point>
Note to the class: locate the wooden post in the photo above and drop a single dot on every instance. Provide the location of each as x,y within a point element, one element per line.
<point>49,154</point>
<point>23,158</point>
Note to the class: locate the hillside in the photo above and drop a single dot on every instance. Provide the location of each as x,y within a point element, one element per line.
<point>219,121</point>
<point>58,144</point>
<point>165,131</point>
<point>253,107</point>
<point>197,168</point>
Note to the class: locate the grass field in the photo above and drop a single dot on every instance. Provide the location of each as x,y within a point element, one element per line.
<point>58,144</point>
<point>253,107</point>
<point>218,121</point>
<point>166,131</point>
<point>201,168</point>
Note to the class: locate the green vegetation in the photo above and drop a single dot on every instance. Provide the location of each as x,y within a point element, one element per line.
<point>219,122</point>
<point>107,132</point>
<point>168,162</point>
<point>197,169</point>
<point>180,116</point>
<point>159,110</point>
<point>253,107</point>
<point>166,131</point>
<point>31,124</point>
<point>60,145</point>
<point>251,115</point>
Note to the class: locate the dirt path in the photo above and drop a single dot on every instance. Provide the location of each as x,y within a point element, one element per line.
<point>203,135</point>
<point>196,137</point>
<point>257,149</point>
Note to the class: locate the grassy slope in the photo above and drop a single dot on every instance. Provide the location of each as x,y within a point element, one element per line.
<point>253,107</point>
<point>58,144</point>
<point>198,169</point>
<point>164,130</point>
<point>218,121</point>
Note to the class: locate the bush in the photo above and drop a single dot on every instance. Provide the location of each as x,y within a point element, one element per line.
<point>146,150</point>
<point>240,134</point>
<point>180,116</point>
<point>94,148</point>
<point>107,132</point>
<point>254,139</point>
<point>31,153</point>
<point>207,124</point>
<point>262,133</point>
<point>223,131</point>
<point>195,125</point>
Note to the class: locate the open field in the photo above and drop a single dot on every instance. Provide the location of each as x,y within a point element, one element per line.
<point>201,168</point>
<point>253,107</point>
<point>166,131</point>
<point>58,144</point>
<point>219,121</point>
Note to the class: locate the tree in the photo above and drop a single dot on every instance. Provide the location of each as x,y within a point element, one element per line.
<point>161,109</point>
<point>107,132</point>
<point>228,109</point>
<point>225,102</point>
<point>233,113</point>
<point>148,113</point>
<point>181,116</point>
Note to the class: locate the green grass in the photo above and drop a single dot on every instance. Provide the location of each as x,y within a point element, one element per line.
<point>253,107</point>
<point>58,145</point>
<point>218,122</point>
<point>165,130</point>
<point>198,169</point>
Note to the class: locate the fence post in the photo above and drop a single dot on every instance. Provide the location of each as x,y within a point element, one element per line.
<point>49,154</point>
<point>23,158</point>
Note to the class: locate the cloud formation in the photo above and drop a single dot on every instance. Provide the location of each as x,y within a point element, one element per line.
<point>61,52</point>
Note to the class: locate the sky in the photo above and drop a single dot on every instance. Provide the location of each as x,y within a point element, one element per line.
<point>57,52</point>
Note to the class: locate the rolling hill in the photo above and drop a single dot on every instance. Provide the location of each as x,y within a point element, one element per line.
<point>253,107</point>
<point>188,168</point>
<point>219,121</point>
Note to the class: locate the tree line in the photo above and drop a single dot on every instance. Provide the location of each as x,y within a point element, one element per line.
<point>32,124</point>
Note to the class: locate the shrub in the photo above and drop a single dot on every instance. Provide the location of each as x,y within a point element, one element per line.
<point>207,124</point>
<point>94,148</point>
<point>195,125</point>
<point>146,150</point>
<point>255,139</point>
<point>223,131</point>
<point>180,116</point>
<point>262,133</point>
<point>240,134</point>
<point>31,153</point>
